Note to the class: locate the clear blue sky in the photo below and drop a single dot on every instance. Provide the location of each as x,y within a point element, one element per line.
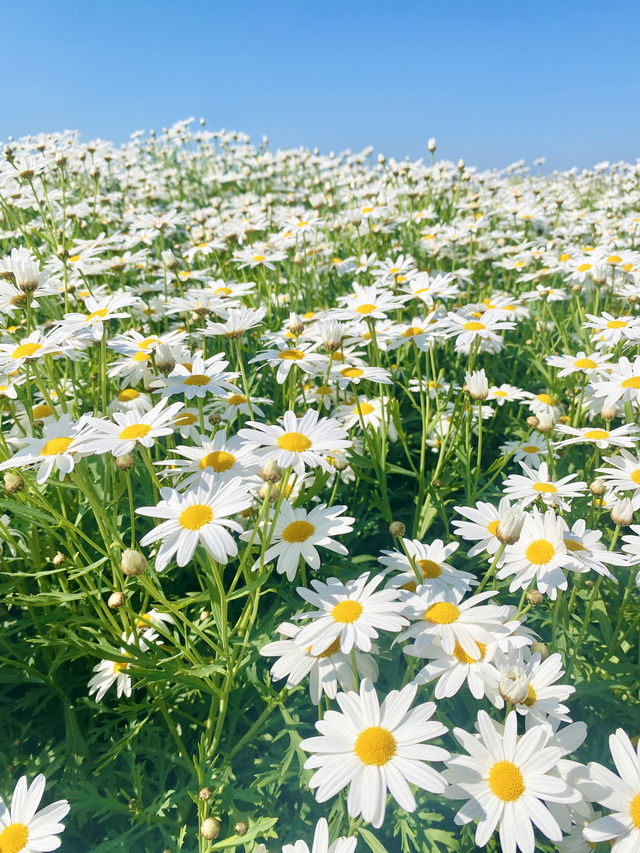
<point>493,81</point>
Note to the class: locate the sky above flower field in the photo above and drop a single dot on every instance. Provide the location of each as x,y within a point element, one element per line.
<point>494,82</point>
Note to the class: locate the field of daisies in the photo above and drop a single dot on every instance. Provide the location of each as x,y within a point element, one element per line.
<point>320,476</point>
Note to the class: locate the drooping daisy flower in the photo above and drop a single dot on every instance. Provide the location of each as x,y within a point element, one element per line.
<point>109,672</point>
<point>25,830</point>
<point>619,793</point>
<point>375,749</point>
<point>506,780</point>
<point>351,612</point>
<point>321,842</point>
<point>199,516</point>
<point>300,442</point>
<point>129,429</point>
<point>297,533</point>
<point>326,670</point>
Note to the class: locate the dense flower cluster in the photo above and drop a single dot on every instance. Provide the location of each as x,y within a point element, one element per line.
<point>225,374</point>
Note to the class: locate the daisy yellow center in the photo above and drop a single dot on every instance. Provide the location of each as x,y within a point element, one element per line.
<point>291,355</point>
<point>25,350</point>
<point>532,696</point>
<point>128,394</point>
<point>331,650</point>
<point>224,290</point>
<point>147,342</point>
<point>135,431</point>
<point>141,356</point>
<point>363,409</point>
<point>375,746</point>
<point>298,531</point>
<point>101,312</point>
<point>540,552</point>
<point>197,379</point>
<point>185,419</point>
<point>506,782</point>
<point>461,656</point>
<point>573,545</point>
<point>631,382</point>
<point>545,488</point>
<point>492,527</point>
<point>236,399</point>
<point>499,393</point>
<point>259,258</point>
<point>13,838</point>
<point>196,516</point>
<point>429,568</point>
<point>474,326</point>
<point>352,372</point>
<point>295,442</point>
<point>411,332</point>
<point>545,398</point>
<point>635,476</point>
<point>634,811</point>
<point>564,257</point>
<point>616,324</point>
<point>596,434</point>
<point>584,267</point>
<point>54,446</point>
<point>366,308</point>
<point>219,460</point>
<point>614,259</point>
<point>530,448</point>
<point>347,611</point>
<point>41,411</point>
<point>441,613</point>
<point>118,666</point>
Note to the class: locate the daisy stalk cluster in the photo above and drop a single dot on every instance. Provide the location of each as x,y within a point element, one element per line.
<point>320,489</point>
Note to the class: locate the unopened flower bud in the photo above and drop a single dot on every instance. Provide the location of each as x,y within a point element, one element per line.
<point>332,333</point>
<point>622,512</point>
<point>532,421</point>
<point>514,687</point>
<point>165,362</point>
<point>534,596</point>
<point>132,563</point>
<point>609,412</point>
<point>204,794</point>
<point>115,600</point>
<point>268,489</point>
<point>340,463</point>
<point>397,528</point>
<point>382,159</point>
<point>12,483</point>
<point>633,298</point>
<point>210,828</point>
<point>295,323</point>
<point>598,487</point>
<point>124,462</point>
<point>169,260</point>
<point>271,472</point>
<point>431,144</point>
<point>461,165</point>
<point>477,384</point>
<point>545,422</point>
<point>241,828</point>
<point>509,528</point>
<point>58,559</point>
<point>215,419</point>
<point>576,288</point>
<point>540,648</point>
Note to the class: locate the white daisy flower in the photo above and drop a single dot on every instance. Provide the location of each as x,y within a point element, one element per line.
<point>199,379</point>
<point>506,780</point>
<point>300,442</point>
<point>538,484</point>
<point>624,475</point>
<point>619,793</point>
<point>352,611</point>
<point>588,552</point>
<point>375,749</point>
<point>622,436</point>
<point>59,447</point>
<point>326,670</point>
<point>321,842</point>
<point>304,356</point>
<point>297,533</point>
<point>482,526</point>
<point>220,456</point>
<point>528,682</point>
<point>431,562</point>
<point>620,383</point>
<point>129,429</point>
<point>199,516</point>
<point>25,830</point>
<point>450,671</point>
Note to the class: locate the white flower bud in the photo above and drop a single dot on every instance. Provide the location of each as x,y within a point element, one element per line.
<point>510,527</point>
<point>514,686</point>
<point>295,323</point>
<point>622,512</point>
<point>545,422</point>
<point>431,144</point>
<point>170,260</point>
<point>477,384</point>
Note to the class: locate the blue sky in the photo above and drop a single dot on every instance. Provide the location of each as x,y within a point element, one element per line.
<point>494,82</point>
